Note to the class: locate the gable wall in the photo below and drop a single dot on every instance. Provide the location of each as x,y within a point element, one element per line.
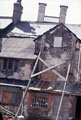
<point>55,55</point>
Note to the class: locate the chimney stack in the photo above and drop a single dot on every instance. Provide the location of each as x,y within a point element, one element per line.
<point>63,11</point>
<point>17,12</point>
<point>41,12</point>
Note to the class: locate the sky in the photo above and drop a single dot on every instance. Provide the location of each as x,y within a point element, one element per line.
<point>30,9</point>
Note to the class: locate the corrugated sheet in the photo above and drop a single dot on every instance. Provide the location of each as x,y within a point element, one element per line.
<point>18,48</point>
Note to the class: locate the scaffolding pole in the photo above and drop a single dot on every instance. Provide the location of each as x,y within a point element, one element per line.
<point>11,113</point>
<point>52,67</point>
<point>27,87</point>
<point>58,112</point>
<point>58,74</point>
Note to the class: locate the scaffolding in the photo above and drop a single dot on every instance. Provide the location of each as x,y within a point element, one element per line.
<point>33,74</point>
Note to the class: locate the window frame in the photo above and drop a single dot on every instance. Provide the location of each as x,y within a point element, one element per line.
<point>30,100</point>
<point>7,65</point>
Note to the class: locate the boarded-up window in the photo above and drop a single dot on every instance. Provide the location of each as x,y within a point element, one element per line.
<point>57,41</point>
<point>6,97</point>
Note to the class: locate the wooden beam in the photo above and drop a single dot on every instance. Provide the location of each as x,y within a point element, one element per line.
<point>58,112</point>
<point>63,78</point>
<point>52,67</point>
<point>25,92</point>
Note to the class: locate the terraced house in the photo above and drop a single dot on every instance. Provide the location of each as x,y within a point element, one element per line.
<point>40,66</point>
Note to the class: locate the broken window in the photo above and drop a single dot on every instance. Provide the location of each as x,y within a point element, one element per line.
<point>57,41</point>
<point>9,64</point>
<point>39,100</point>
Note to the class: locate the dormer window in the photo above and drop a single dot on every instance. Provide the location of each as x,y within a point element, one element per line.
<point>10,65</point>
<point>57,41</point>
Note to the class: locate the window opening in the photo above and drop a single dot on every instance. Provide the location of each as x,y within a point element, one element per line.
<point>57,41</point>
<point>5,64</point>
<point>16,65</point>
<point>10,64</point>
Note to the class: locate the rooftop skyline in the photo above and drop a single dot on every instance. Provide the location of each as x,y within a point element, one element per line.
<point>30,9</point>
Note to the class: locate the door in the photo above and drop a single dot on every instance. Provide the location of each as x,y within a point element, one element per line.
<point>78,109</point>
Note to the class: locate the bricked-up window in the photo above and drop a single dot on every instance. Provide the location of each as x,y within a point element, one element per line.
<point>39,100</point>
<point>10,64</point>
<point>57,41</point>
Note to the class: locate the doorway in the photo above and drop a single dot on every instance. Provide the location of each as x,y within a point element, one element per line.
<point>78,109</point>
<point>1,118</point>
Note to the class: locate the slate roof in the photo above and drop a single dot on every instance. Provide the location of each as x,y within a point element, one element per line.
<point>22,48</point>
<point>30,29</point>
<point>34,29</point>
<point>19,42</point>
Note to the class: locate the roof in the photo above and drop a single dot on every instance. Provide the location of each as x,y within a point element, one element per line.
<point>35,29</point>
<point>56,87</point>
<point>30,29</point>
<point>19,42</point>
<point>22,48</point>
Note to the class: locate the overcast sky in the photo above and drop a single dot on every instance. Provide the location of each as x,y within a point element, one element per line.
<point>30,9</point>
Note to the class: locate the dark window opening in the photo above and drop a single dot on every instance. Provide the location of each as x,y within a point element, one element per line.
<point>11,65</point>
<point>4,64</point>
<point>1,117</point>
<point>78,109</point>
<point>16,65</point>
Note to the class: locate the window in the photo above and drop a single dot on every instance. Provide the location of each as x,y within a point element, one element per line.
<point>16,65</point>
<point>39,100</point>
<point>57,41</point>
<point>9,64</point>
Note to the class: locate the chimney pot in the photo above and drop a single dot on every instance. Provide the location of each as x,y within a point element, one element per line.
<point>41,12</point>
<point>63,11</point>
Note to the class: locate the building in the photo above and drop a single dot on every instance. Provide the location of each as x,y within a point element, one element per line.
<point>40,59</point>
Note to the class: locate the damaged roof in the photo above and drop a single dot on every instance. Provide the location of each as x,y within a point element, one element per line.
<point>19,38</point>
<point>56,87</point>
<point>35,29</point>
